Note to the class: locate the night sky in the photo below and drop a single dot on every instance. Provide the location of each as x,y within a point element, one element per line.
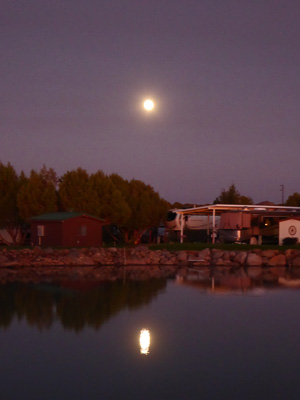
<point>224,76</point>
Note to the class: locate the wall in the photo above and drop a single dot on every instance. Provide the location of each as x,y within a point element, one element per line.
<point>235,220</point>
<point>78,232</point>
<point>52,233</point>
<point>82,231</point>
<point>289,228</point>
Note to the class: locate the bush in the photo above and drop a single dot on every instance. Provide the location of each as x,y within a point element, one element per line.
<point>290,241</point>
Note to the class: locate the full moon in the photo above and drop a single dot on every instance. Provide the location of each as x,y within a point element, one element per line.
<point>148,105</point>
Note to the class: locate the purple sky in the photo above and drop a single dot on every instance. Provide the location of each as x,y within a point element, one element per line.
<point>224,74</point>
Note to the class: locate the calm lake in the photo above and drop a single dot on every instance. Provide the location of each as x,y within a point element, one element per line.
<point>215,334</point>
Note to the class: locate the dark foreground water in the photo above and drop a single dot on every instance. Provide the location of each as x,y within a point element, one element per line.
<point>209,339</point>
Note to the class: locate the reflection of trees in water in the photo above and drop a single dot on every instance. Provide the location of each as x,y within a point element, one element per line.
<point>41,304</point>
<point>35,306</point>
<point>7,307</point>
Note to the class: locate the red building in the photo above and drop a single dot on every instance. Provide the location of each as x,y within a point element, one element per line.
<point>67,229</point>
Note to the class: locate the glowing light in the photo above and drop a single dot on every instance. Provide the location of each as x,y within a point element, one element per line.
<point>144,341</point>
<point>148,105</point>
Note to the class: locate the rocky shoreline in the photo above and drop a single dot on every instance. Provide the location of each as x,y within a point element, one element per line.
<point>39,257</point>
<point>137,263</point>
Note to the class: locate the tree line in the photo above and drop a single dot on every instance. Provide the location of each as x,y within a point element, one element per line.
<point>132,205</point>
<point>232,196</point>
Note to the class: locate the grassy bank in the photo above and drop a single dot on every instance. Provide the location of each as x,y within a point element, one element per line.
<point>180,246</point>
<point>221,246</point>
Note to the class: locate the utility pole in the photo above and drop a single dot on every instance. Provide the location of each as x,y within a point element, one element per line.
<point>282,194</point>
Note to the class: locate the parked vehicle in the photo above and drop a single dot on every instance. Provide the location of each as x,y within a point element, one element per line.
<point>192,222</point>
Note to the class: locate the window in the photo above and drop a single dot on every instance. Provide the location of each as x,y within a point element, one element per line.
<point>40,230</point>
<point>82,230</point>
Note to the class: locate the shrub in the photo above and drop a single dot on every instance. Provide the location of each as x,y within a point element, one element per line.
<point>290,241</point>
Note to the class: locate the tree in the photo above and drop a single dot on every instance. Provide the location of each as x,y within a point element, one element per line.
<point>109,202</point>
<point>36,196</point>
<point>9,216</point>
<point>74,191</point>
<point>133,206</point>
<point>293,200</point>
<point>232,196</point>
<point>49,175</point>
<point>95,194</point>
<point>9,185</point>
<point>147,209</point>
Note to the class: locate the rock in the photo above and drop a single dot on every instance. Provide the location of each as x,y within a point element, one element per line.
<point>181,256</point>
<point>155,260</point>
<point>48,250</point>
<point>256,251</point>
<point>293,252</point>
<point>98,258</point>
<point>226,255</point>
<point>240,258</point>
<point>74,254</point>
<point>135,261</point>
<point>3,260</point>
<point>204,254</point>
<point>269,253</point>
<point>265,261</point>
<point>114,257</point>
<point>289,252</point>
<point>86,260</point>
<point>37,250</point>
<point>143,253</point>
<point>216,256</point>
<point>168,261</point>
<point>278,259</point>
<point>222,261</point>
<point>217,253</point>
<point>253,259</point>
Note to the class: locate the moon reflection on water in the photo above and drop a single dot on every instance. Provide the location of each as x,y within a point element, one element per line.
<point>144,341</point>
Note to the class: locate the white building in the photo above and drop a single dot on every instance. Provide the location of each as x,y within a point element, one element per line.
<point>289,228</point>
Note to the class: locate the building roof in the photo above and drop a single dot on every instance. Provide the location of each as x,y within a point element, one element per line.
<point>62,216</point>
<point>266,203</point>
<point>289,219</point>
<point>250,208</point>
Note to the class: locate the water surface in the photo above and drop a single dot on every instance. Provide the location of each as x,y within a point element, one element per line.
<point>208,339</point>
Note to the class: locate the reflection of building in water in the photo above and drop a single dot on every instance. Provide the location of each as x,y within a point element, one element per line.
<point>219,280</point>
<point>144,341</point>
